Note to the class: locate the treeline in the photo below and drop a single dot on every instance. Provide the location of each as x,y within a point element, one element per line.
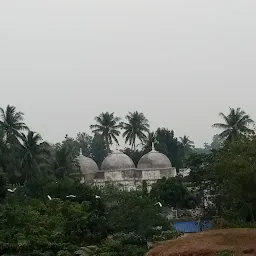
<point>46,211</point>
<point>228,175</point>
<point>24,154</point>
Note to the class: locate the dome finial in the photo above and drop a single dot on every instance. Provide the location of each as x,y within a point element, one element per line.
<point>81,152</point>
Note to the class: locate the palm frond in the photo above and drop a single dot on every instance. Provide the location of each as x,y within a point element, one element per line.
<point>226,118</point>
<point>221,126</point>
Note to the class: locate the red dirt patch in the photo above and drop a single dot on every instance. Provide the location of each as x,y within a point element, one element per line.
<point>209,243</point>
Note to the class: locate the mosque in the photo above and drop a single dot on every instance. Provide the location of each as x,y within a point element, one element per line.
<point>118,168</point>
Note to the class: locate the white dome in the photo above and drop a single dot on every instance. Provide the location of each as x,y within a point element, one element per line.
<point>86,164</point>
<point>154,160</point>
<point>117,161</point>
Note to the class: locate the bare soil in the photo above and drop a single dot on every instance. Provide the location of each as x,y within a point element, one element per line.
<point>236,241</point>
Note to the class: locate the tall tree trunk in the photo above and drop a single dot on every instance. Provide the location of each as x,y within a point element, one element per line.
<point>133,145</point>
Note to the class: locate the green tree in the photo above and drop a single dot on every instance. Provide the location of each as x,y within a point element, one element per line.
<point>135,155</point>
<point>10,162</point>
<point>186,148</point>
<point>56,227</point>
<point>136,127</point>
<point>234,179</point>
<point>201,174</point>
<point>168,144</point>
<point>84,142</point>
<point>173,193</point>
<point>72,145</point>
<point>63,162</point>
<point>3,187</point>
<point>132,212</point>
<point>108,125</point>
<point>217,142</point>
<point>99,149</point>
<point>3,150</point>
<point>187,144</point>
<point>123,244</point>
<point>236,123</point>
<point>151,139</point>
<point>12,123</point>
<point>33,153</point>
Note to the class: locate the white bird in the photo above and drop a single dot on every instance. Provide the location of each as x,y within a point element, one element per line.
<point>158,203</point>
<point>49,198</point>
<point>71,196</point>
<point>11,190</point>
<point>97,197</point>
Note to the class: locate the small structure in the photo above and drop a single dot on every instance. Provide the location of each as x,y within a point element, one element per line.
<point>192,226</point>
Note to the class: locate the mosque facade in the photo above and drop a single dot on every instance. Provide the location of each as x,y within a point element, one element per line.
<point>118,169</point>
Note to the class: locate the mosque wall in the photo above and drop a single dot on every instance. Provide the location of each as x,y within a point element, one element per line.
<point>119,175</point>
<point>150,174</point>
<point>113,176</point>
<point>171,172</point>
<point>130,179</point>
<point>126,184</point>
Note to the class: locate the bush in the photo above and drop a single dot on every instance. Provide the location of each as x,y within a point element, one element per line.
<point>132,212</point>
<point>123,244</point>
<point>166,235</point>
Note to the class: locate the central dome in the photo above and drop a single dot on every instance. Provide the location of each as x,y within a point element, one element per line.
<point>154,160</point>
<point>117,161</point>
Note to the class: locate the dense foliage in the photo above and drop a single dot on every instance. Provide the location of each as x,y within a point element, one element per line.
<point>31,224</point>
<point>229,178</point>
<point>173,193</point>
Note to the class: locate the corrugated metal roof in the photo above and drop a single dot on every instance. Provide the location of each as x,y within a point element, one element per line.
<point>192,226</point>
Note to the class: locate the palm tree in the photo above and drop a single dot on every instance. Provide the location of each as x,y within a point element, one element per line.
<point>33,153</point>
<point>187,144</point>
<point>136,127</point>
<point>12,123</point>
<point>63,162</point>
<point>108,125</point>
<point>236,123</point>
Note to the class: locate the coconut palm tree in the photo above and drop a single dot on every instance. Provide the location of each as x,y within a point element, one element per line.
<point>108,125</point>
<point>136,127</point>
<point>63,162</point>
<point>12,123</point>
<point>33,153</point>
<point>236,123</point>
<point>187,145</point>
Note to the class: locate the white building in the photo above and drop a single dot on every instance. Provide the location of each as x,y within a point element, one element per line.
<point>118,168</point>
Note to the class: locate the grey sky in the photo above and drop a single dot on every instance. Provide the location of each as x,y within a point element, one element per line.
<point>180,62</point>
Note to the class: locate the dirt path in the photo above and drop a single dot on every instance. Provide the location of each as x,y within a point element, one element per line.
<point>237,241</point>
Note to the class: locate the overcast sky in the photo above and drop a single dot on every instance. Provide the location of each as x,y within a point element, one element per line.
<point>179,62</point>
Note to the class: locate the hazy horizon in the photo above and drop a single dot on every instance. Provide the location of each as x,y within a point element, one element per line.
<point>179,62</point>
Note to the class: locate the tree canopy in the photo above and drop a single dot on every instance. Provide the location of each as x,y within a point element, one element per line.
<point>108,125</point>
<point>136,127</point>
<point>236,123</point>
